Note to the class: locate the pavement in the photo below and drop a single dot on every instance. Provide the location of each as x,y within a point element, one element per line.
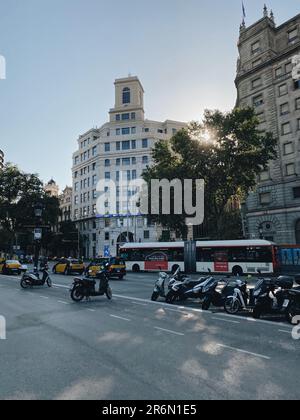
<point>131,348</point>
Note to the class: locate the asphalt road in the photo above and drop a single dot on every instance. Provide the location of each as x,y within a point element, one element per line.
<point>131,348</point>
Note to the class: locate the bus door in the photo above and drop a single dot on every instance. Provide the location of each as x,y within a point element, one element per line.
<point>221,264</point>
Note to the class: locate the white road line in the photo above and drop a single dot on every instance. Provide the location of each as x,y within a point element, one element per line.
<point>91,310</point>
<point>169,331</point>
<point>44,297</point>
<point>244,351</point>
<point>120,317</point>
<point>64,303</point>
<point>140,304</point>
<point>286,332</point>
<point>226,320</point>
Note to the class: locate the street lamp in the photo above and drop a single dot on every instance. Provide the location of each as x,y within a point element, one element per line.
<point>38,211</point>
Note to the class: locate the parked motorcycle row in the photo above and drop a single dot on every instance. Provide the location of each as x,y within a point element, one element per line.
<point>268,297</point>
<point>81,288</point>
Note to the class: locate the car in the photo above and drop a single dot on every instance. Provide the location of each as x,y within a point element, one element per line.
<point>69,266</point>
<point>8,267</point>
<point>116,267</point>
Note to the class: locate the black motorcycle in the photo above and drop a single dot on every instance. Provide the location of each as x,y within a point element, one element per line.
<point>86,287</point>
<point>189,289</point>
<point>34,278</point>
<point>274,297</point>
<point>165,282</point>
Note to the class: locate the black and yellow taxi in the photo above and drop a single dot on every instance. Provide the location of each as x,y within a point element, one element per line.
<point>115,266</point>
<point>8,267</point>
<point>69,266</point>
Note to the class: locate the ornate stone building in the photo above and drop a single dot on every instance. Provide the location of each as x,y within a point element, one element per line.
<point>267,79</point>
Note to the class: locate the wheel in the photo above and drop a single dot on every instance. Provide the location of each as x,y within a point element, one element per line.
<point>121,277</point>
<point>155,296</point>
<point>232,306</point>
<point>76,294</point>
<point>136,268</point>
<point>109,293</point>
<point>257,313</point>
<point>171,298</point>
<point>49,282</point>
<point>23,284</point>
<point>206,304</point>
<point>237,271</point>
<point>292,312</point>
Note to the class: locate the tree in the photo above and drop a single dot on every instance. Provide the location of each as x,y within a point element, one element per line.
<point>227,150</point>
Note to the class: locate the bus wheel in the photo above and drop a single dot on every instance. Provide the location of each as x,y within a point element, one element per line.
<point>136,268</point>
<point>237,271</point>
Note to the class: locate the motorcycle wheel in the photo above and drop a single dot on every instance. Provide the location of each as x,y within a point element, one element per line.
<point>76,294</point>
<point>171,298</point>
<point>206,304</point>
<point>155,296</point>
<point>257,313</point>
<point>109,293</point>
<point>23,284</point>
<point>232,306</point>
<point>49,282</point>
<point>291,313</point>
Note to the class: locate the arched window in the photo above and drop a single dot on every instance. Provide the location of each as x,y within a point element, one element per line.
<point>298,232</point>
<point>126,96</point>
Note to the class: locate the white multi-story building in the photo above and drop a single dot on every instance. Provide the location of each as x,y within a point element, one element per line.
<point>119,150</point>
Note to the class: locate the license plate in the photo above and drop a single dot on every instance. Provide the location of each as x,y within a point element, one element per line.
<point>286,303</point>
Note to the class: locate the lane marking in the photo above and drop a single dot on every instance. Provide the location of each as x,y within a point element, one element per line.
<point>91,310</point>
<point>169,331</point>
<point>140,304</point>
<point>286,332</point>
<point>261,356</point>
<point>226,320</point>
<point>44,297</point>
<point>63,302</point>
<point>120,317</point>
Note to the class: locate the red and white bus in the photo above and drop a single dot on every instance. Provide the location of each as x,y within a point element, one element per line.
<point>236,257</point>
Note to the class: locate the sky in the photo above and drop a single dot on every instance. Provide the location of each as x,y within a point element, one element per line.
<point>62,57</point>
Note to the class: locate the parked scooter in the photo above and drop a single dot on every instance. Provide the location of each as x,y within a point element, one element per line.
<point>34,279</point>
<point>165,282</point>
<point>86,287</point>
<point>237,296</point>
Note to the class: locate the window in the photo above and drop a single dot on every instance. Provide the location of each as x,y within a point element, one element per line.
<point>125,145</point>
<point>297,84</point>
<point>146,130</point>
<point>118,162</point>
<point>288,68</point>
<point>298,124</point>
<point>133,130</point>
<point>258,100</point>
<point>94,194</point>
<point>94,150</point>
<point>264,176</point>
<point>133,116</point>
<point>107,163</point>
<point>76,160</point>
<point>118,176</point>
<point>107,147</point>
<point>118,145</point>
<point>145,160</point>
<point>293,35</point>
<point>286,128</point>
<point>255,47</point>
<point>296,192</point>
<point>125,117</point>
<point>126,161</point>
<point>297,103</point>
<point>118,117</point>
<point>283,90</point>
<point>128,176</point>
<point>133,161</point>
<point>133,175</point>
<point>133,144</point>
<point>290,169</point>
<point>284,109</point>
<point>94,166</point>
<point>125,131</point>
<point>265,198</point>
<point>288,148</point>
<point>76,186</point>
<point>94,180</point>
<point>298,232</point>
<point>146,234</point>
<point>278,72</point>
<point>107,176</point>
<point>126,96</point>
<point>76,199</point>
<point>107,223</point>
<point>160,131</point>
<point>174,131</point>
<point>144,143</point>
<point>257,62</point>
<point>118,132</point>
<point>107,236</point>
<point>256,83</point>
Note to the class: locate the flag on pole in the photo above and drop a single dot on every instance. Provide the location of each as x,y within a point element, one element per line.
<point>244,10</point>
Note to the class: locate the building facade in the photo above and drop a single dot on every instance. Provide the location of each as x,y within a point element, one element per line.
<point>267,80</point>
<point>1,159</point>
<point>118,150</point>
<point>65,205</point>
<point>52,189</point>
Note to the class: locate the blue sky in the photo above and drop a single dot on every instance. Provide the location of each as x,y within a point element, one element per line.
<point>63,56</point>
